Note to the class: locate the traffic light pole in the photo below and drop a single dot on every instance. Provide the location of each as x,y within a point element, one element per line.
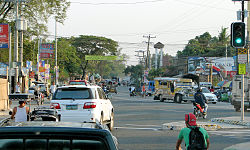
<point>243,94</point>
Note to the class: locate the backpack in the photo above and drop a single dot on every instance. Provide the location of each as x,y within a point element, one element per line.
<point>196,140</point>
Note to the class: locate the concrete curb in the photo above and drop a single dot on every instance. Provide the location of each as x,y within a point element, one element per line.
<point>181,124</point>
<point>232,122</point>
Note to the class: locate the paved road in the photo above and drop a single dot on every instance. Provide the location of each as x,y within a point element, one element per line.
<point>139,121</point>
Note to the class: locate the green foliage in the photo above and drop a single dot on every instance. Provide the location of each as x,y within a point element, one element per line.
<point>206,45</point>
<point>93,45</point>
<point>155,73</point>
<point>135,73</point>
<point>36,12</point>
<point>67,57</point>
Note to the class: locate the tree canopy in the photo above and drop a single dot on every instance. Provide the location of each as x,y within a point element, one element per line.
<point>206,45</point>
<point>36,12</point>
<point>93,45</point>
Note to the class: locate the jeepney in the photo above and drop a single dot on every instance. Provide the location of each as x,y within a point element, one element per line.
<point>175,89</point>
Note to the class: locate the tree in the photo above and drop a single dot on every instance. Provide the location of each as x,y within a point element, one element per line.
<point>36,12</point>
<point>93,45</point>
<point>67,57</point>
<point>208,46</point>
<point>136,73</point>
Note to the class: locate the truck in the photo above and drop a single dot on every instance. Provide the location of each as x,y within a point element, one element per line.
<point>175,89</point>
<point>237,92</point>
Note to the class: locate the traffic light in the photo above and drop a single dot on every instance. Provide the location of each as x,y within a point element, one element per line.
<point>238,34</point>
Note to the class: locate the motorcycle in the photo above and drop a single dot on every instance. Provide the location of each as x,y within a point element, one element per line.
<point>132,93</point>
<point>199,111</point>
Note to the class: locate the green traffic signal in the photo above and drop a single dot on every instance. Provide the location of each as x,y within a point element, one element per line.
<point>238,34</point>
<point>238,40</point>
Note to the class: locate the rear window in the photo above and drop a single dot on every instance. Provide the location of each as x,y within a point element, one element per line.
<point>73,93</point>
<point>55,144</point>
<point>77,83</point>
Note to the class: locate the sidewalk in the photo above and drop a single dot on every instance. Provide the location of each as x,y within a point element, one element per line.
<point>213,124</point>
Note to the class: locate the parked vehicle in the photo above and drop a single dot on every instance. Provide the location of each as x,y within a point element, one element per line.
<point>237,92</point>
<point>80,103</point>
<point>55,135</point>
<point>175,89</point>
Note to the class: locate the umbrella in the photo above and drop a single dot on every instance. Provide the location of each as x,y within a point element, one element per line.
<point>221,83</point>
<point>227,84</point>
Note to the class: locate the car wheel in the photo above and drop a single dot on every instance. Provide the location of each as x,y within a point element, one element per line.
<point>161,98</point>
<point>59,117</point>
<point>213,102</point>
<point>178,98</point>
<point>111,123</point>
<point>101,119</point>
<point>237,109</point>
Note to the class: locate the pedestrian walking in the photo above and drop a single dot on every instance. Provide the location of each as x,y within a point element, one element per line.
<point>17,88</point>
<point>143,90</point>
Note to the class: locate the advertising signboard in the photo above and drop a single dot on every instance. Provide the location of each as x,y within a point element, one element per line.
<point>202,65</point>
<point>46,51</point>
<point>32,74</point>
<point>47,71</point>
<point>100,57</point>
<point>4,36</point>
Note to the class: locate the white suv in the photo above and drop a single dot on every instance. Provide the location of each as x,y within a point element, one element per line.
<point>80,103</point>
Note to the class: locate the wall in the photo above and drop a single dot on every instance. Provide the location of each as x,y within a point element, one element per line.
<point>4,105</point>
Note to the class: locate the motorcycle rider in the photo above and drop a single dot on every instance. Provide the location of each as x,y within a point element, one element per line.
<point>201,99</point>
<point>132,91</point>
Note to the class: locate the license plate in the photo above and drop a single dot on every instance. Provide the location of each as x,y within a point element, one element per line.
<point>71,107</point>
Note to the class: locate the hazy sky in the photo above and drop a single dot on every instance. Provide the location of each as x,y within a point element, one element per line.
<point>172,22</point>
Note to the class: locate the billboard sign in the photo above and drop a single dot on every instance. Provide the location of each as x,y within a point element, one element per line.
<point>202,65</point>
<point>4,36</point>
<point>46,51</point>
<point>47,71</point>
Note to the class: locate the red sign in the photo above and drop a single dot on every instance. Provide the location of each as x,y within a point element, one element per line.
<point>32,74</point>
<point>4,36</point>
<point>46,51</point>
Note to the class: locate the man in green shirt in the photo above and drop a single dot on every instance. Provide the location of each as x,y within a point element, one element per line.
<point>190,121</point>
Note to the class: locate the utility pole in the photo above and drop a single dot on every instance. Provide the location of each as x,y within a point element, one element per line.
<point>226,62</point>
<point>142,61</point>
<point>148,52</point>
<point>56,53</point>
<point>16,45</point>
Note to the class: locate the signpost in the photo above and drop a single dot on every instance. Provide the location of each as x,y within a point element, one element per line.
<point>242,61</point>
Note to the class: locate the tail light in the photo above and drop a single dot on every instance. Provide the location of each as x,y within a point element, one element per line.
<point>89,105</point>
<point>56,105</point>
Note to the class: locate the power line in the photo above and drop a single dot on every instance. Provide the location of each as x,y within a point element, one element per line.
<point>123,3</point>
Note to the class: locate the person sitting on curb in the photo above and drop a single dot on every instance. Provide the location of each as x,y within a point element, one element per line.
<point>20,112</point>
<point>185,133</point>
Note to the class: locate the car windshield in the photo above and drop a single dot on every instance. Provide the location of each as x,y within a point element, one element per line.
<point>205,90</point>
<point>42,87</point>
<point>73,93</point>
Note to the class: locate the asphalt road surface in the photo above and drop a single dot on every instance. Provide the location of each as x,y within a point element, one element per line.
<point>138,123</point>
